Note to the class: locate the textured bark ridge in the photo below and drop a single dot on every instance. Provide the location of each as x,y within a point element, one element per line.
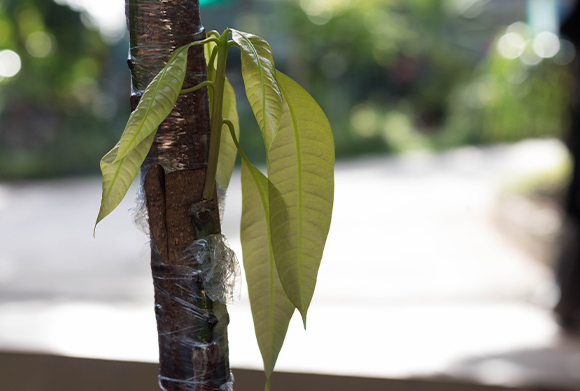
<point>193,349</point>
<point>156,29</point>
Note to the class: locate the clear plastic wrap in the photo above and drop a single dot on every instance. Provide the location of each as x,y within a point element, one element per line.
<point>139,211</point>
<point>192,384</point>
<point>220,270</point>
<point>199,284</point>
<point>221,194</point>
<point>190,322</point>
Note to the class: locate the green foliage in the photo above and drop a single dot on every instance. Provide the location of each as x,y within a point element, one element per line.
<point>271,308</point>
<point>395,56</point>
<point>511,98</point>
<point>59,113</point>
<point>155,104</point>
<point>301,173</point>
<point>118,174</point>
<point>228,152</point>
<point>284,233</point>
<point>259,76</point>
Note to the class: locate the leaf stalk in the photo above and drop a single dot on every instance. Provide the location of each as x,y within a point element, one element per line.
<point>207,83</point>
<point>216,116</point>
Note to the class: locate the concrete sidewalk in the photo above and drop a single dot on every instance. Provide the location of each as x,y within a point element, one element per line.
<point>416,280</point>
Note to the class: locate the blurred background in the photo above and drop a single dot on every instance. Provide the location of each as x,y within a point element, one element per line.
<point>455,130</point>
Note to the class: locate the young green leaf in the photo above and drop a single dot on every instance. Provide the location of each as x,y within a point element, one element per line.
<point>118,174</point>
<point>271,308</point>
<point>301,175</point>
<point>211,70</point>
<point>262,89</point>
<point>156,103</point>
<point>228,152</point>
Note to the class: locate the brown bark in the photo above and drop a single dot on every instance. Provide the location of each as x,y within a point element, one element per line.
<point>192,329</point>
<point>191,335</point>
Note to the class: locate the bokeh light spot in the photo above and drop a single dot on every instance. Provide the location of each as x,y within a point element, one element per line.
<point>511,45</point>
<point>363,120</point>
<point>318,11</point>
<point>529,57</point>
<point>39,44</point>
<point>9,63</point>
<point>546,44</point>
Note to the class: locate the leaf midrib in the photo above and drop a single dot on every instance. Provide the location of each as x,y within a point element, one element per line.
<point>106,195</point>
<point>299,178</point>
<point>150,105</point>
<point>262,84</point>
<point>265,206</point>
<point>257,176</point>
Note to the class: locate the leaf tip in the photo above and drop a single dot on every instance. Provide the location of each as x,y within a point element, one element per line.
<point>99,218</point>
<point>303,314</point>
<point>267,387</point>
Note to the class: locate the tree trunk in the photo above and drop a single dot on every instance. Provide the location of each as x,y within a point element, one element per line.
<point>193,348</point>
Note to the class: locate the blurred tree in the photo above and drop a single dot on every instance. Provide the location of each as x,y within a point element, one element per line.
<point>391,74</point>
<point>378,63</point>
<point>514,92</point>
<point>53,109</point>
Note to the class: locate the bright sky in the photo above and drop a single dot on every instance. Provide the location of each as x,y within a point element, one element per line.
<point>108,15</point>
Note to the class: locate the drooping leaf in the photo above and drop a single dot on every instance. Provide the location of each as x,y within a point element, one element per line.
<point>271,308</point>
<point>156,103</point>
<point>228,151</point>
<point>301,175</point>
<point>262,89</point>
<point>118,175</point>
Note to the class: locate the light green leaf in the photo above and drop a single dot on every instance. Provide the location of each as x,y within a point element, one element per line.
<point>262,89</point>
<point>156,103</point>
<point>118,175</point>
<point>301,175</point>
<point>228,152</point>
<point>211,70</point>
<point>271,308</point>
<point>207,51</point>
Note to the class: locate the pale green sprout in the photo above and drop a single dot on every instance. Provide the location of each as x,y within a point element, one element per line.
<point>286,215</point>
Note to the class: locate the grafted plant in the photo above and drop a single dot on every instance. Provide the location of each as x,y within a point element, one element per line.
<point>285,215</point>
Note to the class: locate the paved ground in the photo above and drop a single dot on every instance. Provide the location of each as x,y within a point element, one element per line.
<point>417,279</point>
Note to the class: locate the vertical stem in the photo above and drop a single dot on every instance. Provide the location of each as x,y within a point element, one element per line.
<point>217,121</point>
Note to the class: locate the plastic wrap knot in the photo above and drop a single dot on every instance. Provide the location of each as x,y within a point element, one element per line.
<point>220,270</point>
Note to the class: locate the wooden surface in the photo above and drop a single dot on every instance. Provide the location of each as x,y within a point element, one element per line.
<point>29,372</point>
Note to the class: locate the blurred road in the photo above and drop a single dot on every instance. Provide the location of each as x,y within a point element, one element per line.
<point>416,280</point>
